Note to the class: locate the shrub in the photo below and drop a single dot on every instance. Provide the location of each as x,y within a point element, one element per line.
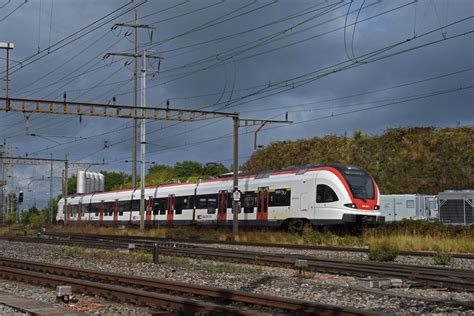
<point>383,252</point>
<point>442,258</point>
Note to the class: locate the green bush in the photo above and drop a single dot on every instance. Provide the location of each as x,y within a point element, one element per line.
<point>383,252</point>
<point>442,258</point>
<point>10,218</point>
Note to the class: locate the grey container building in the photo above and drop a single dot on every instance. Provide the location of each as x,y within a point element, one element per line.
<point>396,207</point>
<point>456,206</point>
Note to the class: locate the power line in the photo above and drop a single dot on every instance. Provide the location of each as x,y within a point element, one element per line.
<point>78,34</point>
<point>14,10</point>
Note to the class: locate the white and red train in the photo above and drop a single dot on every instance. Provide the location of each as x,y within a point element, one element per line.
<point>320,195</point>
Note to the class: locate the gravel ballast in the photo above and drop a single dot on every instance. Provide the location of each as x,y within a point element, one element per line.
<point>323,288</point>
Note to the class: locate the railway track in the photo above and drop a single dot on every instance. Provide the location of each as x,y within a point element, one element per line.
<point>132,239</point>
<point>455,279</point>
<point>177,296</point>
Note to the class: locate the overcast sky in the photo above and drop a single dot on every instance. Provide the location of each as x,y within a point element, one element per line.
<point>335,66</point>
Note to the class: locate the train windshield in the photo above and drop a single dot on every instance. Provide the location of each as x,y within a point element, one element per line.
<point>361,184</point>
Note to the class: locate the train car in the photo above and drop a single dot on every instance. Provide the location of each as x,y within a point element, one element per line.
<point>292,198</point>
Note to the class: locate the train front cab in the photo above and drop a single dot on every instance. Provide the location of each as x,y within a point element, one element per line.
<point>346,195</point>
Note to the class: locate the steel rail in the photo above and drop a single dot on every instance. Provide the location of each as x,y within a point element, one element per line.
<point>293,305</point>
<point>435,276</point>
<point>254,244</point>
<point>122,294</point>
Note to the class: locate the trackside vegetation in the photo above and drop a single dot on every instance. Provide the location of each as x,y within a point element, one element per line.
<point>420,160</point>
<point>404,235</point>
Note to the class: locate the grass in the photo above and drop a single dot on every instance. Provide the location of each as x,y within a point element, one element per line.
<point>68,252</point>
<point>406,235</point>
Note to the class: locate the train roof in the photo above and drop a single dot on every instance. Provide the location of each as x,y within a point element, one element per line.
<point>298,170</point>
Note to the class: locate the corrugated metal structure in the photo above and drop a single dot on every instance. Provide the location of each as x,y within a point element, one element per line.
<point>88,182</point>
<point>396,207</point>
<point>456,206</point>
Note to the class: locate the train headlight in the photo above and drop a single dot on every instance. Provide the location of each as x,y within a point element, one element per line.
<point>351,205</point>
<point>377,207</point>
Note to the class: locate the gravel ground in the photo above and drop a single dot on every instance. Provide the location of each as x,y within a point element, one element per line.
<point>79,303</point>
<point>457,263</point>
<point>7,310</point>
<point>329,289</point>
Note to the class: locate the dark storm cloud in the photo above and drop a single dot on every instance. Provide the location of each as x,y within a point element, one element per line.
<point>227,75</point>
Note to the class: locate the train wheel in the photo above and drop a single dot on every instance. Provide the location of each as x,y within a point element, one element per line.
<point>298,225</point>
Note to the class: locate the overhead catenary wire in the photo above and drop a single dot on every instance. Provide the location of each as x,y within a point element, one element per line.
<point>78,34</point>
<point>424,45</point>
<point>13,11</point>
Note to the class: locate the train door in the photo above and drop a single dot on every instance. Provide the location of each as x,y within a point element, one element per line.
<point>116,208</point>
<point>170,207</point>
<point>304,201</point>
<point>149,206</point>
<point>262,203</point>
<point>222,204</point>
<point>101,211</point>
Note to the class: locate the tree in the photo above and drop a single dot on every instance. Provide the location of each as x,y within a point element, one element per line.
<point>213,169</point>
<point>188,168</point>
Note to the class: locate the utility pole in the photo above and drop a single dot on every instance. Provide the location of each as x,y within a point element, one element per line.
<point>238,122</point>
<point>7,46</point>
<point>236,193</point>
<point>3,185</point>
<point>65,188</point>
<point>142,142</point>
<point>143,110</point>
<point>135,26</point>
<point>51,191</point>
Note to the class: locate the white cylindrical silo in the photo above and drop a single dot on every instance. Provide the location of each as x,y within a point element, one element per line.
<point>81,182</point>
<point>88,182</point>
<point>101,182</point>
<point>95,182</point>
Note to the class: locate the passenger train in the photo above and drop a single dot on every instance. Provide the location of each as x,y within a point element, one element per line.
<point>292,198</point>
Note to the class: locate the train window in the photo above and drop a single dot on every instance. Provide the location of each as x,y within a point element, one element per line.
<point>211,204</point>
<point>96,214</point>
<point>124,206</point>
<point>324,194</point>
<point>162,212</point>
<point>212,201</point>
<point>281,197</point>
<point>178,205</point>
<point>109,206</point>
<point>120,213</point>
<point>410,203</point>
<point>136,205</point>
<point>155,212</point>
<point>188,202</point>
<point>202,202</point>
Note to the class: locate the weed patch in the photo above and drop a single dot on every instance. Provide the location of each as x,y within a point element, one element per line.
<point>383,252</point>
<point>70,252</point>
<point>442,258</point>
